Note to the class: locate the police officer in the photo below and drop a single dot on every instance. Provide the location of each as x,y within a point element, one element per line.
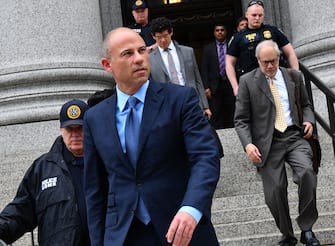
<point>242,45</point>
<point>51,194</point>
<point>142,25</point>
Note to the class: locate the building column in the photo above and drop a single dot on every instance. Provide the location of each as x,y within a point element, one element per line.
<point>50,53</point>
<point>313,34</point>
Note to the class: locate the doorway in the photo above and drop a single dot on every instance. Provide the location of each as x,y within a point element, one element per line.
<point>192,20</point>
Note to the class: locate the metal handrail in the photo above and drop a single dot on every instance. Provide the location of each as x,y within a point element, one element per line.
<point>310,78</point>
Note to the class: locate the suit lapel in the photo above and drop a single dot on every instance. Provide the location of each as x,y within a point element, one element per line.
<point>262,83</point>
<point>290,85</point>
<point>110,123</point>
<point>159,60</point>
<point>181,60</point>
<point>152,106</point>
<point>216,55</point>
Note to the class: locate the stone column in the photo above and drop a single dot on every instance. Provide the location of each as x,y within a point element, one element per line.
<point>50,52</point>
<point>313,34</point>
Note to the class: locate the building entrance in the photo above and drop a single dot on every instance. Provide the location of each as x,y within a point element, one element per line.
<point>193,20</point>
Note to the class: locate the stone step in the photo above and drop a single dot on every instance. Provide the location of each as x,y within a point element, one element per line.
<point>252,184</point>
<point>261,212</point>
<point>252,200</point>
<point>325,235</point>
<point>267,226</point>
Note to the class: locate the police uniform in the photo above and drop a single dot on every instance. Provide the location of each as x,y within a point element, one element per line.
<point>143,31</point>
<point>243,44</point>
<point>51,194</point>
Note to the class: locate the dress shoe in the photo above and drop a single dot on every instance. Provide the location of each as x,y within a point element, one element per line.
<point>288,242</point>
<point>308,238</point>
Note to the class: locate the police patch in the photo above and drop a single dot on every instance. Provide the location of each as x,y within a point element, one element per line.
<point>73,112</point>
<point>138,3</point>
<point>48,183</point>
<point>267,34</point>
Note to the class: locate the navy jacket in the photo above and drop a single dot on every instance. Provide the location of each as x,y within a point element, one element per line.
<point>177,165</point>
<point>45,198</point>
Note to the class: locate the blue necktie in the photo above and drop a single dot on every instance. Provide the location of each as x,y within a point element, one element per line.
<point>132,132</point>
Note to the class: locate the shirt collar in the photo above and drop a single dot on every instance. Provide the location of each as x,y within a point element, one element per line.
<point>278,76</point>
<point>171,47</point>
<point>218,42</point>
<point>122,97</point>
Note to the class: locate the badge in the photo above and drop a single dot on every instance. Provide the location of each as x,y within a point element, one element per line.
<point>251,37</point>
<point>267,34</point>
<point>73,112</point>
<point>138,3</point>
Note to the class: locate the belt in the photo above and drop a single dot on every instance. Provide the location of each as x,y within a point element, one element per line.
<point>277,133</point>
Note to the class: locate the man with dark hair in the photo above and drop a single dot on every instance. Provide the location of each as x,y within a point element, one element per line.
<point>217,87</point>
<point>174,63</point>
<point>51,195</point>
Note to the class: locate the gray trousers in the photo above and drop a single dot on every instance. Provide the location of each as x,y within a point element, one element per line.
<point>290,147</point>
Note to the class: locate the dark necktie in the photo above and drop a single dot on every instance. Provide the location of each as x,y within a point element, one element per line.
<point>222,60</point>
<point>172,67</point>
<point>132,132</point>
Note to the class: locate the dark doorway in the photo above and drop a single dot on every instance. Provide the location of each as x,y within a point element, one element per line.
<point>193,20</point>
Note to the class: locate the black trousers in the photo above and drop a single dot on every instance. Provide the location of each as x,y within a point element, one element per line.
<point>222,106</point>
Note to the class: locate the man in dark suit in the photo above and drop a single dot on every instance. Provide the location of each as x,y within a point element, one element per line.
<point>217,87</point>
<point>267,123</point>
<point>183,58</point>
<point>158,192</point>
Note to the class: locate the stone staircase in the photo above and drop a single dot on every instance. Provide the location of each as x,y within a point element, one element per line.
<point>239,213</point>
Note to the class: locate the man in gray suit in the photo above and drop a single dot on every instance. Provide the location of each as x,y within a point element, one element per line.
<point>270,143</point>
<point>182,68</point>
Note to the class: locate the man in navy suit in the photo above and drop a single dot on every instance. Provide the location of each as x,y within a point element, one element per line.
<point>163,195</point>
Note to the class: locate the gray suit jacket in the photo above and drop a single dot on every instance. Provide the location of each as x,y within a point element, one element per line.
<point>189,69</point>
<point>255,109</point>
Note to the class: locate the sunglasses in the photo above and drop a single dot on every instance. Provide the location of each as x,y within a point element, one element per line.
<point>255,2</point>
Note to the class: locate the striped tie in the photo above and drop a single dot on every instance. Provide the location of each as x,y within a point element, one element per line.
<point>280,122</point>
<point>222,60</point>
<point>172,68</point>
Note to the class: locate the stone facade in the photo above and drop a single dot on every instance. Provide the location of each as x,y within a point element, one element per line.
<point>50,53</point>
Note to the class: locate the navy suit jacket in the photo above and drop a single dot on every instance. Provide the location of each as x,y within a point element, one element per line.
<point>177,165</point>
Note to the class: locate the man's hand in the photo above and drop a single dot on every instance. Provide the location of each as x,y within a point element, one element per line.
<point>253,153</point>
<point>208,93</point>
<point>308,129</point>
<point>208,112</point>
<point>181,229</point>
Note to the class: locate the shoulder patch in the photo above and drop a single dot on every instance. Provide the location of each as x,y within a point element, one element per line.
<point>48,183</point>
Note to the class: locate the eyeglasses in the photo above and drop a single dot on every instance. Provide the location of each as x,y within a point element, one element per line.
<point>164,36</point>
<point>272,62</point>
<point>253,2</point>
